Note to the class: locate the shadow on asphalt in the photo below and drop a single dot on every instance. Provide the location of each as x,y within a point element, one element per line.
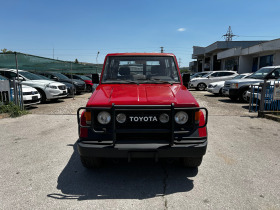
<point>140,179</point>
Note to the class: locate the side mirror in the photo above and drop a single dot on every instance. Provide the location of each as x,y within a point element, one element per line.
<point>55,78</point>
<point>95,79</point>
<point>20,79</point>
<point>186,79</point>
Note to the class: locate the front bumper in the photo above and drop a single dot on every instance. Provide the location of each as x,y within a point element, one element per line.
<point>225,91</point>
<point>155,150</point>
<point>233,92</point>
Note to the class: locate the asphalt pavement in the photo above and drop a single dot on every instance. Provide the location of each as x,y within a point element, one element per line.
<point>40,166</point>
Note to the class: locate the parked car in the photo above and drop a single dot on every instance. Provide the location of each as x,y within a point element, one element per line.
<point>86,79</point>
<point>214,76</point>
<point>30,95</point>
<point>47,89</point>
<point>199,74</point>
<point>258,90</point>
<point>236,89</point>
<point>71,89</point>
<point>141,109</point>
<point>217,87</point>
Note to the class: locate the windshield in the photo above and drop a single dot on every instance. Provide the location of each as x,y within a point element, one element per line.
<point>60,76</point>
<point>206,75</point>
<point>261,73</point>
<point>43,77</point>
<point>240,76</point>
<point>30,76</point>
<point>84,77</point>
<point>2,78</point>
<point>140,70</point>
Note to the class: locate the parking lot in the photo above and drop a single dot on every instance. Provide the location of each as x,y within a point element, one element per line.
<point>40,166</point>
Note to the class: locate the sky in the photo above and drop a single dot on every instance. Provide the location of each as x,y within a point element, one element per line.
<point>67,30</point>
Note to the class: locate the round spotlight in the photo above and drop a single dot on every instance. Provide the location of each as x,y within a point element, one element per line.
<point>164,118</point>
<point>181,117</point>
<point>104,118</point>
<point>121,118</point>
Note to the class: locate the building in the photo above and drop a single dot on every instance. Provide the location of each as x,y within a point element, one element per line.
<point>207,57</point>
<point>250,59</point>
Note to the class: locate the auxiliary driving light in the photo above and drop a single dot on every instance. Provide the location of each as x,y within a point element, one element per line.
<point>104,118</point>
<point>164,118</point>
<point>121,118</point>
<point>181,117</point>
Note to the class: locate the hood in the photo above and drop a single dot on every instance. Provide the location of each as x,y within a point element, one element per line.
<point>41,82</point>
<point>26,88</point>
<point>143,94</point>
<point>70,81</point>
<point>220,83</point>
<point>242,81</point>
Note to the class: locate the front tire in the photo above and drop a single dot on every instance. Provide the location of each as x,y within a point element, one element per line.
<point>43,96</point>
<point>91,162</point>
<point>201,86</point>
<point>192,162</point>
<point>242,96</point>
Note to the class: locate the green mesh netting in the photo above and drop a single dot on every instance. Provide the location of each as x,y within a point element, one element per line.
<point>36,63</point>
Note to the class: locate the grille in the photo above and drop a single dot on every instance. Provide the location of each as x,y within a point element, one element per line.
<point>30,93</point>
<point>62,87</point>
<point>227,85</point>
<point>148,123</point>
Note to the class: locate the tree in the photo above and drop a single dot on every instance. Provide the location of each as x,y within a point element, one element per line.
<point>6,51</point>
<point>76,60</point>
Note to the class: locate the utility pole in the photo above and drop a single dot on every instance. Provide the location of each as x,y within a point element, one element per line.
<point>180,62</point>
<point>228,36</point>
<point>53,53</point>
<point>161,49</point>
<point>97,61</point>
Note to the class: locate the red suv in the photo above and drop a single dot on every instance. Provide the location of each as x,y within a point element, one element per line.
<point>141,109</point>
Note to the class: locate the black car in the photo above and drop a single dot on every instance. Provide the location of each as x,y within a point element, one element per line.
<point>79,85</point>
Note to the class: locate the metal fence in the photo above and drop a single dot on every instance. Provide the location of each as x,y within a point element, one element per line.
<point>265,97</point>
<point>4,91</point>
<point>11,91</point>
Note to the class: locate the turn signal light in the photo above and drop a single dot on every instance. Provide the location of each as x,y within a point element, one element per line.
<point>197,117</point>
<point>88,117</point>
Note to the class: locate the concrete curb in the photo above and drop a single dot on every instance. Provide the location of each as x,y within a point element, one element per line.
<point>270,115</point>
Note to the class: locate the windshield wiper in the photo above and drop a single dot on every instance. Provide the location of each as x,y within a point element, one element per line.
<point>122,82</point>
<point>158,81</point>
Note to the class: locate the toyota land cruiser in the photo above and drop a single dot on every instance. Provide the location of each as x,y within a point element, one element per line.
<point>141,109</point>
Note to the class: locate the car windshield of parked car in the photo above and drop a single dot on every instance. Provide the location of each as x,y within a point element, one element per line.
<point>60,76</point>
<point>240,76</point>
<point>2,78</point>
<point>206,75</point>
<point>261,73</point>
<point>140,70</point>
<point>84,77</point>
<point>30,76</point>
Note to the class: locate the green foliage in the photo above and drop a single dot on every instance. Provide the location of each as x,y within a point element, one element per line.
<point>184,70</point>
<point>12,109</point>
<point>76,60</point>
<point>6,51</point>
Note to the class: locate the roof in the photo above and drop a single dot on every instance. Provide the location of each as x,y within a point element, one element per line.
<point>140,54</point>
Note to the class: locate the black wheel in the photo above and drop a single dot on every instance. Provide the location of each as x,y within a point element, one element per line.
<point>221,92</point>
<point>192,162</point>
<point>43,96</point>
<point>233,98</point>
<point>201,86</point>
<point>91,162</point>
<point>242,96</point>
<point>89,88</point>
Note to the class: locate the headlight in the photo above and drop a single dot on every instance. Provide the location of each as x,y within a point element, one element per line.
<point>121,118</point>
<point>104,118</point>
<point>75,83</point>
<point>214,86</point>
<point>181,117</point>
<point>234,85</point>
<point>51,86</point>
<point>164,118</point>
